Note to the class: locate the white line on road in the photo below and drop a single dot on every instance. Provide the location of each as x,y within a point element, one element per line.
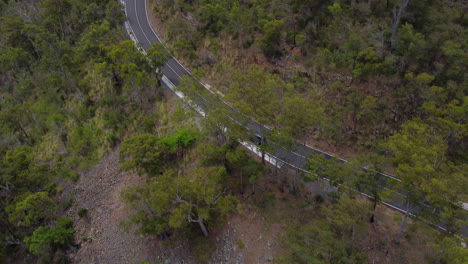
<point>271,159</point>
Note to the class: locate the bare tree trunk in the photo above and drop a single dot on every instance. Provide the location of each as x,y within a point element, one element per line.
<point>372,217</point>
<point>276,167</point>
<point>403,221</point>
<point>241,181</point>
<point>374,206</point>
<point>5,226</point>
<point>138,96</point>
<point>202,226</point>
<point>396,19</point>
<point>239,36</point>
<point>22,130</point>
<point>293,183</point>
<point>65,75</point>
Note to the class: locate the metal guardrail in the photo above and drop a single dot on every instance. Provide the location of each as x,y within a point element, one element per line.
<point>272,159</point>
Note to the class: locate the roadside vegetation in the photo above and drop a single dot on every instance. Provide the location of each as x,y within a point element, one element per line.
<point>209,184</point>
<point>345,72</point>
<point>73,89</point>
<point>372,77</point>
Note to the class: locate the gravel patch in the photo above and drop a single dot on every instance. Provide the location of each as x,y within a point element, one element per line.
<point>98,237</point>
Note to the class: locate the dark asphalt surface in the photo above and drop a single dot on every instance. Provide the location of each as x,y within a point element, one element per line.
<point>174,71</point>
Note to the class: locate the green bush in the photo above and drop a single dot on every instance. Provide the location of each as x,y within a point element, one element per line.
<point>45,241</point>
<point>51,188</point>
<point>72,175</point>
<point>240,244</point>
<point>67,203</point>
<point>83,212</point>
<point>83,145</point>
<point>319,199</point>
<point>203,249</point>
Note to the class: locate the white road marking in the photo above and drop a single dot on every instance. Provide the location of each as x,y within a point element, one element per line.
<point>149,42</point>
<point>250,146</point>
<point>208,88</point>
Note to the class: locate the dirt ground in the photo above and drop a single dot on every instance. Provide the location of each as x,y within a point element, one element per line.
<point>98,238</point>
<point>255,234</point>
<point>248,238</point>
<point>279,211</point>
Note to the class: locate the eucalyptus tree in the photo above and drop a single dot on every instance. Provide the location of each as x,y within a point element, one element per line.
<point>172,201</point>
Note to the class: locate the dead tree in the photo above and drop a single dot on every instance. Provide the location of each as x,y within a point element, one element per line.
<point>396,19</point>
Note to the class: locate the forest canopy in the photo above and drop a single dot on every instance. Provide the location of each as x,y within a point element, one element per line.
<point>71,89</point>
<point>384,78</point>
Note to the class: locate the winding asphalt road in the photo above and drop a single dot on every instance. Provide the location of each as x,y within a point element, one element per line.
<point>140,30</point>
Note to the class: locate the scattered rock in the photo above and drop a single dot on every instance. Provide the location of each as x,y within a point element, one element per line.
<point>99,191</point>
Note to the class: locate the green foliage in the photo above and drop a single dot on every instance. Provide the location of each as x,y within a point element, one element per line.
<point>335,8</point>
<point>83,145</point>
<point>71,175</point>
<point>46,240</point>
<point>213,16</point>
<point>449,250</point>
<point>240,244</point>
<point>239,161</point>
<point>339,173</point>
<point>457,61</point>
<point>184,48</point>
<point>148,154</point>
<point>331,240</point>
<point>83,212</point>
<point>168,201</point>
<point>70,91</point>
<point>18,168</point>
<point>203,249</point>
<point>270,41</point>
<point>299,118</point>
<point>71,88</point>
<point>182,137</point>
<point>348,42</point>
<point>449,121</point>
<point>31,209</point>
<point>419,152</point>
<point>158,56</point>
<point>319,244</point>
<point>347,216</point>
<point>411,43</point>
<point>370,64</point>
<point>141,153</point>
<point>66,204</point>
<point>257,94</point>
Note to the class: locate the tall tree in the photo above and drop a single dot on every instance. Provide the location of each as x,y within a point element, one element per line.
<point>148,154</point>
<point>299,118</point>
<point>397,15</point>
<point>158,56</point>
<point>31,209</point>
<point>172,201</point>
<point>269,43</point>
<point>418,152</point>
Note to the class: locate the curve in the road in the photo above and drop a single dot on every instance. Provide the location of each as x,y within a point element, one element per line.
<point>143,34</point>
